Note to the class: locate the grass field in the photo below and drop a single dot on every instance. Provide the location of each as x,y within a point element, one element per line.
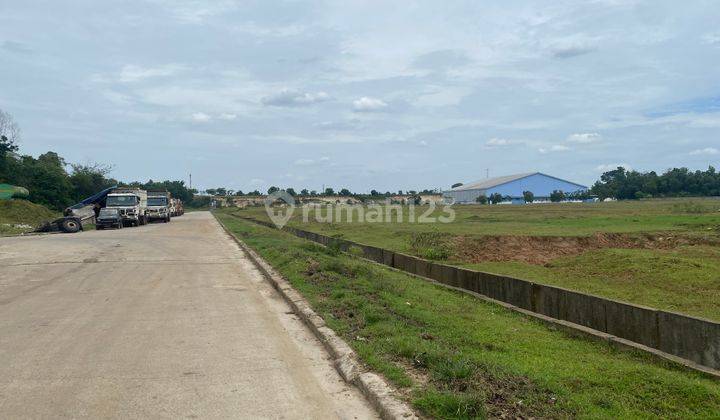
<point>455,356</point>
<point>19,216</point>
<point>659,253</point>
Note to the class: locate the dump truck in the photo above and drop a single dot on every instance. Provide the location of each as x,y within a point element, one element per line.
<point>159,205</point>
<point>132,204</point>
<point>76,217</point>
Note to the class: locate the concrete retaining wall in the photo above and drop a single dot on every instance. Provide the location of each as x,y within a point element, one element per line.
<point>694,339</point>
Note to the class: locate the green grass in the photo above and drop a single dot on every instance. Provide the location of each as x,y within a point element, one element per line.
<point>16,212</point>
<point>684,279</point>
<point>454,356</point>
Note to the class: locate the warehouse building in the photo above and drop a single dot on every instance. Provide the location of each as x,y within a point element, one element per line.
<point>513,186</point>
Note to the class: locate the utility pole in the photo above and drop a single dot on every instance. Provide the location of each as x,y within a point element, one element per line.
<point>487,173</point>
<point>190,181</point>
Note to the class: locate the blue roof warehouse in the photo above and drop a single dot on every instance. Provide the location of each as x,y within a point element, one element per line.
<point>513,186</point>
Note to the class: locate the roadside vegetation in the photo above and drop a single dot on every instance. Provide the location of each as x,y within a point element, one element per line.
<point>20,216</point>
<point>659,253</point>
<point>455,356</point>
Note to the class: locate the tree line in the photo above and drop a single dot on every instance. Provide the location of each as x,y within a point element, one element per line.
<point>626,184</point>
<point>343,192</point>
<point>57,184</point>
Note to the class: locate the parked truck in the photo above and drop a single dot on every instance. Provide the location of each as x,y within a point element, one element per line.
<point>159,205</point>
<point>176,207</point>
<point>132,204</point>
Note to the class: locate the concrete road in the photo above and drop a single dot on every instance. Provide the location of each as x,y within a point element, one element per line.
<point>160,321</point>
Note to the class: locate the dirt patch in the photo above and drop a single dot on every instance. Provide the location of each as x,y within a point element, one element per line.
<point>543,249</point>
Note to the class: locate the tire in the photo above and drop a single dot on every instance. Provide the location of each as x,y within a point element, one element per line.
<point>99,227</point>
<point>70,226</point>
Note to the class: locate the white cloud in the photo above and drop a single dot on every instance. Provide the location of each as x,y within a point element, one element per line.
<point>304,162</point>
<point>584,138</point>
<point>227,117</point>
<point>310,162</point>
<point>705,151</point>
<point>367,104</point>
<point>201,117</point>
<point>289,97</point>
<point>554,148</point>
<point>712,38</point>
<point>605,167</point>
<point>131,73</point>
<point>496,142</point>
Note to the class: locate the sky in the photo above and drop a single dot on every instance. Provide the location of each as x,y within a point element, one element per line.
<point>363,95</point>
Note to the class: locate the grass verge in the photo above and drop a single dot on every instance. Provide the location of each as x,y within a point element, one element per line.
<point>454,356</point>
<point>19,216</point>
<point>683,278</point>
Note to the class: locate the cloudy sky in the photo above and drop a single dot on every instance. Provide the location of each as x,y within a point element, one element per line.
<point>363,94</point>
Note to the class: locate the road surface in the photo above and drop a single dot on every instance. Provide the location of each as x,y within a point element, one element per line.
<point>160,321</point>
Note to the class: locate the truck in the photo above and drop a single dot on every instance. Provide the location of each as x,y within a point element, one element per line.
<point>159,205</point>
<point>76,217</point>
<point>176,207</point>
<point>132,204</point>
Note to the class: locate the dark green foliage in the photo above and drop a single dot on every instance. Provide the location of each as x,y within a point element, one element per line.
<point>557,196</point>
<point>677,182</point>
<point>528,196</point>
<point>481,199</point>
<point>496,198</point>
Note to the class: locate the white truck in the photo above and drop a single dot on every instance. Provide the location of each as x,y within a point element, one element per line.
<point>159,205</point>
<point>132,204</point>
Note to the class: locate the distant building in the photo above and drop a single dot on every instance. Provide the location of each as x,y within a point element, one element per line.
<point>513,186</point>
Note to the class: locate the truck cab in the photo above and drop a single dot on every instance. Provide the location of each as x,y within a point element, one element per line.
<point>132,205</point>
<point>158,204</point>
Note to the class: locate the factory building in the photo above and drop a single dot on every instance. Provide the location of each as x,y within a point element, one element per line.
<point>513,186</point>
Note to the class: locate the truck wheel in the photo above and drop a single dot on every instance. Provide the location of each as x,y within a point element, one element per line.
<point>120,225</point>
<point>70,226</point>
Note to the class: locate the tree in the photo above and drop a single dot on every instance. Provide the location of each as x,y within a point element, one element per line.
<point>211,191</point>
<point>345,192</point>
<point>313,193</point>
<point>329,191</point>
<point>528,196</point>
<point>291,191</point>
<point>374,193</point>
<point>273,189</point>
<point>557,196</point>
<point>457,184</point>
<point>90,178</point>
<point>221,191</point>
<point>481,199</point>
<point>496,198</point>
<point>304,192</point>
<point>7,145</point>
<point>9,129</point>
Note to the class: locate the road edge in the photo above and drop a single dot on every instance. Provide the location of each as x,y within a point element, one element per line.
<point>377,391</point>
